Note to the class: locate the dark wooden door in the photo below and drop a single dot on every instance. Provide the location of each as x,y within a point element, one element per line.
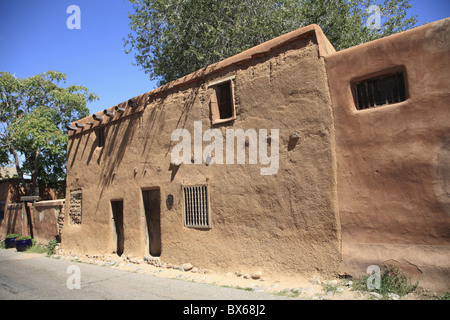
<point>152,203</point>
<point>117,213</point>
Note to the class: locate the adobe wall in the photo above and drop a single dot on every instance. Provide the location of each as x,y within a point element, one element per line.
<point>15,221</point>
<point>15,217</point>
<point>285,222</point>
<point>394,161</point>
<point>48,219</point>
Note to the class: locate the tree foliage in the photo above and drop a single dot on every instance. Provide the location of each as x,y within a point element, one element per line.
<point>34,113</point>
<point>172,38</point>
<point>347,23</point>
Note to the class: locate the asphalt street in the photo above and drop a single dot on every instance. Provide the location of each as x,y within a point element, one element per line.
<point>37,277</point>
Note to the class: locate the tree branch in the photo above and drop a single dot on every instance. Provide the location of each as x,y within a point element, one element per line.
<point>19,170</point>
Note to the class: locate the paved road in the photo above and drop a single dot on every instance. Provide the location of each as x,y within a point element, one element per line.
<point>31,276</point>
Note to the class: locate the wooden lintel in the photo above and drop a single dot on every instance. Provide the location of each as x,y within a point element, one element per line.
<point>29,198</point>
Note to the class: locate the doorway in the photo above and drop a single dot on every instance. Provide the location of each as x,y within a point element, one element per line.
<point>152,208</point>
<point>117,215</point>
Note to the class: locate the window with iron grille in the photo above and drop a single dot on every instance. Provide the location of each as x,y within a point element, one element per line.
<point>379,91</point>
<point>196,206</point>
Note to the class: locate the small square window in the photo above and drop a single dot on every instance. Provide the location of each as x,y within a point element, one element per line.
<point>100,133</point>
<point>379,91</point>
<point>196,207</point>
<point>222,101</point>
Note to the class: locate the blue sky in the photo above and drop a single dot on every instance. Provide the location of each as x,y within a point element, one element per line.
<point>34,38</point>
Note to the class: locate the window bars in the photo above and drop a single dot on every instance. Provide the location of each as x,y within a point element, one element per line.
<point>196,206</point>
<point>383,90</point>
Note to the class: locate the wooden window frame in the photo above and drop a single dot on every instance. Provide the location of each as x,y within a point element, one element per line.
<point>214,102</point>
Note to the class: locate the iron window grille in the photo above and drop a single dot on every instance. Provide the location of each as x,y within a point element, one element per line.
<point>196,206</point>
<point>383,90</point>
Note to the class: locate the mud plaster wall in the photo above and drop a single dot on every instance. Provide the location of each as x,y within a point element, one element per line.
<point>393,161</point>
<point>47,220</point>
<point>285,222</point>
<point>15,220</point>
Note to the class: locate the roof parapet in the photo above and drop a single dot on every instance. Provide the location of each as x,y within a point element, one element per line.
<point>137,104</point>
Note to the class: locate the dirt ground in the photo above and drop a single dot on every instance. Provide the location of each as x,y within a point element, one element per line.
<point>308,287</point>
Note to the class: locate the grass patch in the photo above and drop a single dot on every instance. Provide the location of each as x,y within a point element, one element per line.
<point>291,293</point>
<point>392,281</point>
<point>445,296</point>
<point>334,288</point>
<point>240,288</point>
<point>231,287</point>
<point>37,247</point>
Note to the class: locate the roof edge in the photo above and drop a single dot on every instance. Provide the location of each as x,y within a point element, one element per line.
<point>325,48</point>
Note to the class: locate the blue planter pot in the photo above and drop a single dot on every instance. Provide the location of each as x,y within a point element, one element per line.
<point>22,245</point>
<point>10,242</point>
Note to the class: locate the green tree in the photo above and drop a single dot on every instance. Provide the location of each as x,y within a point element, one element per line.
<point>172,38</point>
<point>34,114</point>
<point>347,23</point>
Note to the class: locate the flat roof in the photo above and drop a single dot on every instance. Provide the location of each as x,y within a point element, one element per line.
<point>138,103</point>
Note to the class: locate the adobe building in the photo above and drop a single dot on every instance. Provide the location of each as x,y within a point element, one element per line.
<point>125,195</point>
<point>335,157</point>
<point>391,108</point>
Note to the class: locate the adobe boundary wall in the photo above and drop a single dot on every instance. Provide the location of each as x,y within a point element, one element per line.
<point>46,220</point>
<point>394,160</point>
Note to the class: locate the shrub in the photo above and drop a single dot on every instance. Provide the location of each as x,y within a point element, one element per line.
<point>12,235</point>
<point>444,296</point>
<point>392,280</point>
<point>36,248</point>
<point>24,238</point>
<point>51,247</point>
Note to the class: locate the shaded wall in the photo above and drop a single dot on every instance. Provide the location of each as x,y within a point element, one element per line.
<point>43,221</point>
<point>16,220</point>
<point>48,217</point>
<point>14,215</point>
<point>394,161</point>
